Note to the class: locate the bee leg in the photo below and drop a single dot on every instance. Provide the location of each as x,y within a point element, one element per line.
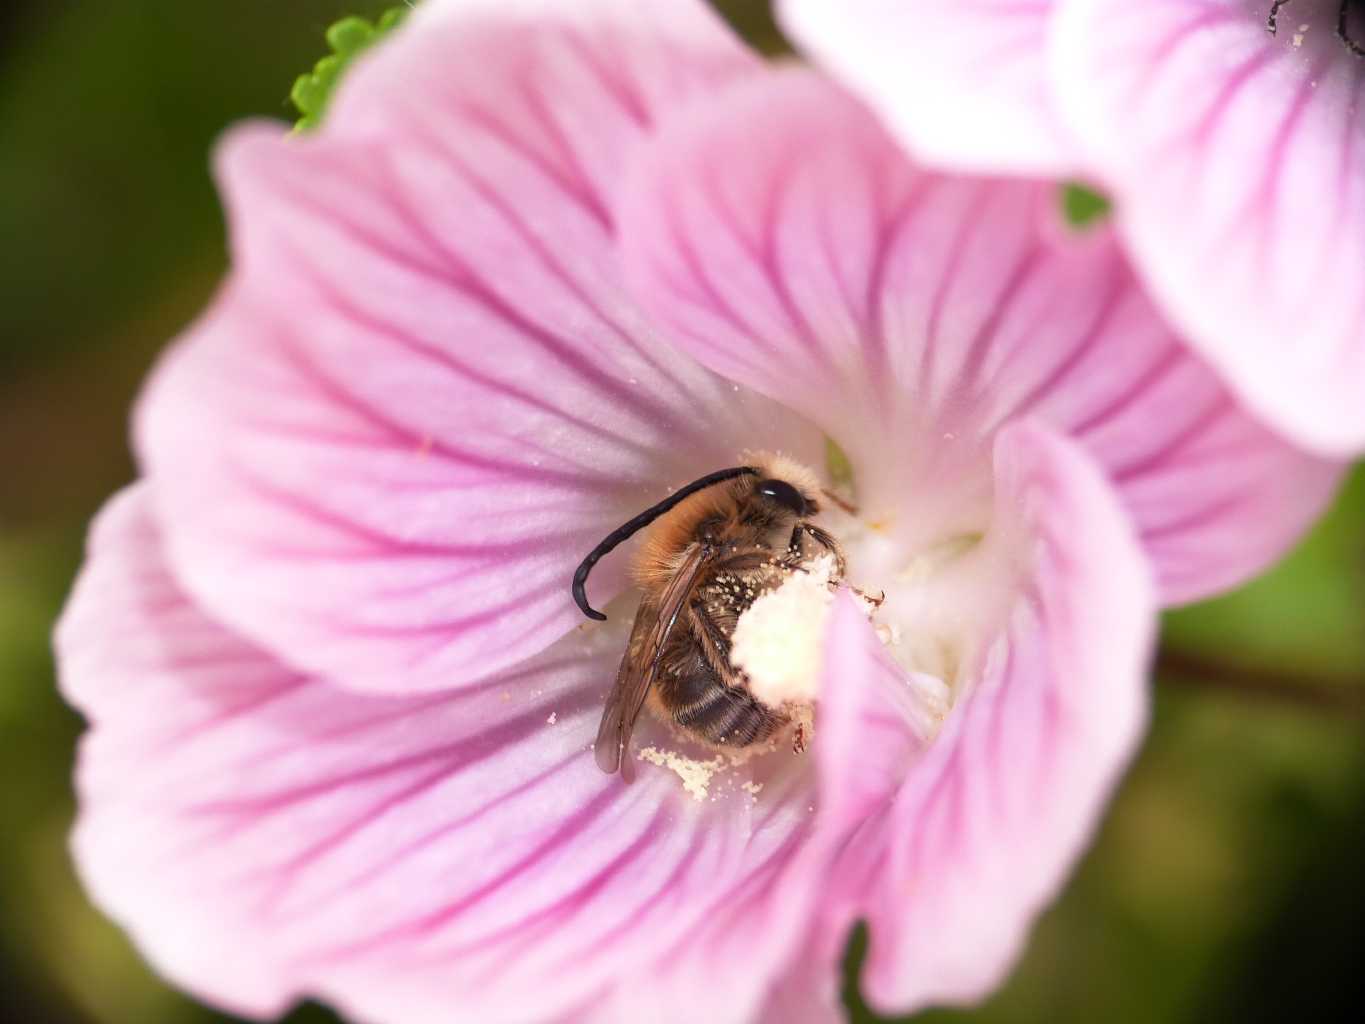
<point>827,541</point>
<point>796,548</point>
<point>1270,21</point>
<point>799,739</point>
<point>1343,33</point>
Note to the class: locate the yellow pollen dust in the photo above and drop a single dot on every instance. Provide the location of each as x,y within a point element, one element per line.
<point>695,775</point>
<point>776,642</point>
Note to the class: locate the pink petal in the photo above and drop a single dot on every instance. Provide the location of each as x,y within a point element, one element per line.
<point>961,849</point>
<point>643,56</point>
<point>424,397</point>
<point>894,307</point>
<point>1239,167</point>
<point>265,835</point>
<point>962,82</point>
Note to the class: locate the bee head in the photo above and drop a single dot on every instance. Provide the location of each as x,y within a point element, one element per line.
<point>785,496</point>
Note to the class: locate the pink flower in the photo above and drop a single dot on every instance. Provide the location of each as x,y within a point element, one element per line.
<point>544,262</point>
<point>1236,157</point>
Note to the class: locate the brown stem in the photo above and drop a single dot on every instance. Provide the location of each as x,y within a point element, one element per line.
<point>1342,695</point>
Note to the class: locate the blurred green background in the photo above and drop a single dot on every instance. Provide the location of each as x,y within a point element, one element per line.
<point>1225,883</point>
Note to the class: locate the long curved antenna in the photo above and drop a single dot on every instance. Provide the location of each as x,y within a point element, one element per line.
<point>580,576</point>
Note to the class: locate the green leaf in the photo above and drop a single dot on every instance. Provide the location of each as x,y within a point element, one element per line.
<point>348,39</point>
<point>1083,206</point>
<point>837,465</point>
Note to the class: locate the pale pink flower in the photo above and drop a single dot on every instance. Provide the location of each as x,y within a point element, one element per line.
<point>544,262</point>
<point>1236,157</point>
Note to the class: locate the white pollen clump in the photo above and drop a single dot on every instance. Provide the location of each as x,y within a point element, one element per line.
<point>554,717</point>
<point>695,775</point>
<point>777,640</point>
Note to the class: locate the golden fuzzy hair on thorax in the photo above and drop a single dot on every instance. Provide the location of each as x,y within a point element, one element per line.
<point>668,537</point>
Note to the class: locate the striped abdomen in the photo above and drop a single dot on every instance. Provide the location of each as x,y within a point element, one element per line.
<point>696,695</point>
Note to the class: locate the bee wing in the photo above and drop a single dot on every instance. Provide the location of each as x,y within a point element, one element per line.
<point>632,684</point>
<point>654,623</point>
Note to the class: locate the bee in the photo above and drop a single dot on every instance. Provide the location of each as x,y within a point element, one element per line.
<point>1344,9</point>
<point>712,549</point>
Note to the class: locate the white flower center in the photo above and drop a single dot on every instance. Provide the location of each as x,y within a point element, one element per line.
<point>941,594</point>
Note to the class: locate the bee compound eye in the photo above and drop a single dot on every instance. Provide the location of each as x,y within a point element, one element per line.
<point>784,494</point>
